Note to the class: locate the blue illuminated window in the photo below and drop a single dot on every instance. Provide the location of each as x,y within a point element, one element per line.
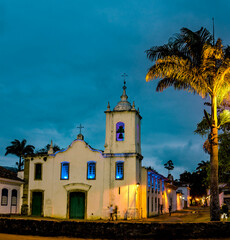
<point>163,186</point>
<point>64,170</point>
<point>120,131</point>
<point>155,184</point>
<point>91,172</point>
<point>149,179</point>
<point>119,170</point>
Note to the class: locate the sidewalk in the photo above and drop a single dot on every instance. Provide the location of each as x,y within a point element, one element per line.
<point>189,215</point>
<point>192,214</point>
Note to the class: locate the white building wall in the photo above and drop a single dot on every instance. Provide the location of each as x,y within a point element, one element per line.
<point>131,144</point>
<point>185,196</point>
<point>56,190</point>
<point>10,185</point>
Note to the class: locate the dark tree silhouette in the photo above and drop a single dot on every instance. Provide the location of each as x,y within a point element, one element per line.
<point>19,149</point>
<point>46,149</point>
<point>169,165</point>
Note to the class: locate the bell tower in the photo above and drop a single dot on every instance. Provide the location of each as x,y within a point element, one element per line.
<point>123,127</point>
<point>123,155</point>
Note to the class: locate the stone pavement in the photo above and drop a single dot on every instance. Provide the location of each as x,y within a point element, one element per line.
<point>192,214</point>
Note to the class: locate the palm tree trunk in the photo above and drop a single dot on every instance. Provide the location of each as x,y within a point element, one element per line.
<point>20,163</point>
<point>214,189</point>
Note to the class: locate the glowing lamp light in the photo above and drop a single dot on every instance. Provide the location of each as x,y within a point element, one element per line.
<point>169,191</point>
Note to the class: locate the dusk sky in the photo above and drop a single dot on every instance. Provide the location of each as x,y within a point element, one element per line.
<point>62,61</point>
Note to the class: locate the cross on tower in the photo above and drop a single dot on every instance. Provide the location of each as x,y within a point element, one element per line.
<point>124,75</point>
<point>80,128</point>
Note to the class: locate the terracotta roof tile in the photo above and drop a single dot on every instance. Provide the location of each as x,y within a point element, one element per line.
<point>5,173</point>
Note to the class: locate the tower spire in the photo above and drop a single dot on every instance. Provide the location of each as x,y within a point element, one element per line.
<point>124,97</point>
<point>123,105</point>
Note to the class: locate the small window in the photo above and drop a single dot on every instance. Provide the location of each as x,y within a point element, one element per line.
<point>4,200</point>
<point>120,131</point>
<point>14,197</point>
<point>64,170</point>
<point>38,171</point>
<point>91,170</point>
<point>119,170</point>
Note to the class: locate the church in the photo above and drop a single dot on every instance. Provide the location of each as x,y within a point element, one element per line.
<point>81,182</point>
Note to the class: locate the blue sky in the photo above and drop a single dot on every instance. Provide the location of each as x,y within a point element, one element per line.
<point>62,61</point>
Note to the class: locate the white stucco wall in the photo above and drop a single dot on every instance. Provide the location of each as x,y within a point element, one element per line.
<point>131,144</point>
<point>55,189</point>
<point>185,195</point>
<point>10,185</point>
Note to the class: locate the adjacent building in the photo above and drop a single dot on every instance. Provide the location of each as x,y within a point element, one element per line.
<point>11,192</point>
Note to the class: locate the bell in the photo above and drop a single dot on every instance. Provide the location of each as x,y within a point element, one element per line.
<point>120,136</point>
<point>120,130</point>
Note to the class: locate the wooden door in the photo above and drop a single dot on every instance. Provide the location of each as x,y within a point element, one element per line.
<point>37,203</point>
<point>77,205</point>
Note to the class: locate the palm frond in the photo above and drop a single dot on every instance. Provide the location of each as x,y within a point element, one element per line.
<point>180,73</point>
<point>224,117</point>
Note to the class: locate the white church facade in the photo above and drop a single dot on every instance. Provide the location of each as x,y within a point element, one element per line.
<point>81,182</point>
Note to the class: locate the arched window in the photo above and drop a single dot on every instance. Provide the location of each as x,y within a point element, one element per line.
<point>14,197</point>
<point>120,131</point>
<point>119,170</point>
<point>4,200</point>
<point>91,170</point>
<point>64,170</point>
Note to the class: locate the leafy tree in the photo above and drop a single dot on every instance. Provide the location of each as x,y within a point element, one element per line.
<point>224,144</point>
<point>46,149</point>
<point>169,165</point>
<point>185,177</point>
<point>197,180</point>
<point>191,62</point>
<point>19,149</point>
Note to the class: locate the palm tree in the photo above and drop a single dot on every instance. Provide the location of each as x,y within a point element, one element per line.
<point>191,62</point>
<point>169,165</point>
<point>19,149</point>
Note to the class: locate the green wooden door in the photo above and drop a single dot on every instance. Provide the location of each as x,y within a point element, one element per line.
<point>37,203</point>
<point>77,205</point>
